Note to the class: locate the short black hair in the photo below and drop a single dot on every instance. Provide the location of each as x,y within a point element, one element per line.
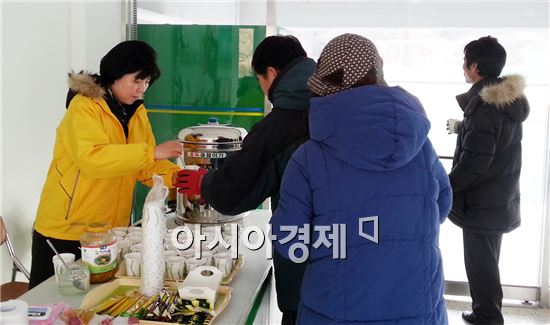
<point>129,57</point>
<point>276,51</point>
<point>489,55</point>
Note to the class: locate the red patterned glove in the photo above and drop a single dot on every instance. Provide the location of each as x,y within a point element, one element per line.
<point>189,181</point>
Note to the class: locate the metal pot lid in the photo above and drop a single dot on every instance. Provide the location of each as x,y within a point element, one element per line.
<point>211,133</point>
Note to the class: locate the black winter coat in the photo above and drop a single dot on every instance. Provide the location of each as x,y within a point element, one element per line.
<point>487,160</point>
<point>254,173</point>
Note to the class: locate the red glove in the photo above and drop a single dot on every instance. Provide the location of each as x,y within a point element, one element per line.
<point>189,181</point>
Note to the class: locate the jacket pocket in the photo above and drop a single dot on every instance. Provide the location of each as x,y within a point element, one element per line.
<point>67,176</point>
<point>68,182</point>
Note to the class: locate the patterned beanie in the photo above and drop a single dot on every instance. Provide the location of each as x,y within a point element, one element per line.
<point>344,62</point>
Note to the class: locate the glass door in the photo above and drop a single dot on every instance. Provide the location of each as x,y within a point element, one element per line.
<point>421,43</point>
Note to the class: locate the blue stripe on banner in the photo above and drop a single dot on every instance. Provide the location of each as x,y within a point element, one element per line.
<point>194,108</point>
<point>211,113</point>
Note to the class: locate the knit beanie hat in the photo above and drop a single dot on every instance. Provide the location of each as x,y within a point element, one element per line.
<point>345,63</point>
<point>129,57</point>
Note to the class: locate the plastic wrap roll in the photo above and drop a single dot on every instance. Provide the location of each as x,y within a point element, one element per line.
<point>154,228</point>
<point>14,312</point>
<point>201,283</point>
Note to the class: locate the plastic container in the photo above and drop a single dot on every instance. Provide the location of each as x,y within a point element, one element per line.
<point>75,280</point>
<point>99,252</point>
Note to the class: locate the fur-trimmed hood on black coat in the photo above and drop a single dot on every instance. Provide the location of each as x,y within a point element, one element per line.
<point>501,93</point>
<point>487,160</point>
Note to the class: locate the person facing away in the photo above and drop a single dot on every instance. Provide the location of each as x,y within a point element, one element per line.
<point>254,173</point>
<point>103,145</point>
<point>363,199</point>
<point>486,170</point>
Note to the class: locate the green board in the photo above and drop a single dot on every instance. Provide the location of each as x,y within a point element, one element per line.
<point>205,72</point>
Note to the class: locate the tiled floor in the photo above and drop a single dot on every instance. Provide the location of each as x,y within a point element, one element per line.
<point>512,315</point>
<point>455,306</point>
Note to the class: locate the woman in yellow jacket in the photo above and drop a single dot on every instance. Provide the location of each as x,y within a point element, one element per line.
<point>103,145</point>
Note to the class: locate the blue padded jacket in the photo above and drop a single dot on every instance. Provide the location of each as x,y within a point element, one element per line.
<point>369,159</point>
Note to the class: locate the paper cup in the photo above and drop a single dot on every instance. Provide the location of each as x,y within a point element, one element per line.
<point>135,230</point>
<point>175,267</point>
<point>135,238</point>
<point>133,264</point>
<point>188,253</point>
<point>119,231</point>
<point>193,263</point>
<point>136,248</point>
<point>170,253</point>
<point>224,263</point>
<point>123,247</point>
<point>58,265</point>
<point>209,257</point>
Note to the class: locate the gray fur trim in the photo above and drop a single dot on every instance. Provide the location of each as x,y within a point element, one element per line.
<point>504,93</point>
<point>84,84</point>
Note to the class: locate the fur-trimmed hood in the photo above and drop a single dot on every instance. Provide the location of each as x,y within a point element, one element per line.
<point>506,94</point>
<point>86,84</point>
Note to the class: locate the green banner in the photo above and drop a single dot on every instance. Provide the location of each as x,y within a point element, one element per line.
<point>205,72</point>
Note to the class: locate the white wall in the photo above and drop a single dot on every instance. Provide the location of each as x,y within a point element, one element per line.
<point>212,12</point>
<point>41,42</point>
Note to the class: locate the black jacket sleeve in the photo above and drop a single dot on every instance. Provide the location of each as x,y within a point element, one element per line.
<point>226,187</point>
<point>478,148</point>
<point>267,185</point>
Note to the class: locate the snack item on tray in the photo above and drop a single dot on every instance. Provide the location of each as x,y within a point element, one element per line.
<point>85,317</point>
<point>166,306</point>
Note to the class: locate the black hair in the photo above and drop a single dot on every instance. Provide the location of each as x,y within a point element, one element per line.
<point>276,51</point>
<point>489,55</point>
<point>129,57</point>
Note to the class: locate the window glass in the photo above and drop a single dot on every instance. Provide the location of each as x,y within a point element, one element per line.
<point>427,61</point>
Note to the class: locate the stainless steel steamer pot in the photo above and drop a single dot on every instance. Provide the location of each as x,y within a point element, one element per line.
<point>206,146</point>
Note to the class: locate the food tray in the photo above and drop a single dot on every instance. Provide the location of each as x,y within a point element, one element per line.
<point>101,292</point>
<point>121,273</point>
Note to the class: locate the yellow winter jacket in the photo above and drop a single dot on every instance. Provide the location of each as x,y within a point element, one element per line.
<point>95,168</point>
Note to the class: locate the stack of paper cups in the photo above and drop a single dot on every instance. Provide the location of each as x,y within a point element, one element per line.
<point>154,227</point>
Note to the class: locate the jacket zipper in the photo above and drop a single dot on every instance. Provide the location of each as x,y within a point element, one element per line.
<point>72,196</point>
